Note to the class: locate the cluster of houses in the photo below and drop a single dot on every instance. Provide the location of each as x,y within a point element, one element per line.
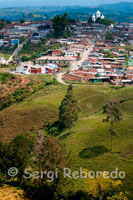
<point>30,68</point>
<point>107,62</point>
<point>12,33</point>
<point>72,47</point>
<point>123,31</point>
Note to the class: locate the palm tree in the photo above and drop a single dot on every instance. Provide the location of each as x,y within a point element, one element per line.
<point>113,112</point>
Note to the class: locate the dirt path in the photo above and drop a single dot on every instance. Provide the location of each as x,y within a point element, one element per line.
<point>60,78</point>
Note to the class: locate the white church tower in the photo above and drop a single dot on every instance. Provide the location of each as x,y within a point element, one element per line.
<point>102,17</point>
<point>93,18</point>
<point>98,14</point>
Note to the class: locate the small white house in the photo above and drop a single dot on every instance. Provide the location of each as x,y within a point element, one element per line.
<point>2,61</point>
<point>23,69</point>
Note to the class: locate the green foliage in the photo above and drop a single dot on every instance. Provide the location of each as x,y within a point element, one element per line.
<point>53,82</point>
<point>4,77</point>
<point>108,55</point>
<point>18,95</point>
<point>53,131</point>
<point>34,151</point>
<point>22,21</point>
<point>25,58</point>
<point>61,26</point>
<point>103,188</point>
<point>49,154</point>
<point>3,23</point>
<point>20,152</point>
<point>4,66</point>
<point>32,49</point>
<point>114,114</point>
<point>90,20</point>
<point>109,36</point>
<point>106,21</point>
<point>102,21</point>
<point>22,39</point>
<point>68,110</point>
<point>90,132</point>
<point>129,47</point>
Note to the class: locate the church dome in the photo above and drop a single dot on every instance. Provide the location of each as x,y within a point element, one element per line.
<point>98,14</point>
<point>102,17</point>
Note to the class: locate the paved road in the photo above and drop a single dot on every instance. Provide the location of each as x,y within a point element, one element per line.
<point>15,53</point>
<point>75,64</point>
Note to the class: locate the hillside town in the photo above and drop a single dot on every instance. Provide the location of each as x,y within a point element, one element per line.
<point>87,55</point>
<point>66,100</point>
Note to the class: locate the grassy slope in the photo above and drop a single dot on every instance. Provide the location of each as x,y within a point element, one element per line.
<point>90,134</point>
<point>4,55</point>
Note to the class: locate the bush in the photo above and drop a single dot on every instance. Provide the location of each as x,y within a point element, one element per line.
<point>4,77</point>
<point>4,65</point>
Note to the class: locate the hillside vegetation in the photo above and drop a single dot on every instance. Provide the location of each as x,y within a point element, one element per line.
<point>89,142</point>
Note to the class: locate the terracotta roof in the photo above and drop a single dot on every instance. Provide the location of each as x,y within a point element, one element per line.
<point>56,58</point>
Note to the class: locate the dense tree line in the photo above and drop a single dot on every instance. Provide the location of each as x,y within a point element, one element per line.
<point>61,26</point>
<point>101,21</point>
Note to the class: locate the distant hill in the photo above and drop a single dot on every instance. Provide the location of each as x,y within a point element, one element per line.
<point>119,7</point>
<point>120,12</point>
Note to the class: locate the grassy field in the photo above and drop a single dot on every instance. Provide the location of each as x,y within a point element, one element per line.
<point>89,142</point>
<point>5,55</point>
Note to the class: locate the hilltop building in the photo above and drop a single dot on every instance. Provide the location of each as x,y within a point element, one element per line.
<point>102,17</point>
<point>93,18</point>
<point>97,15</point>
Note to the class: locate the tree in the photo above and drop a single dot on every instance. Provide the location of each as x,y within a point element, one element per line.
<point>129,48</point>
<point>49,155</point>
<point>105,21</point>
<point>21,148</point>
<point>68,110</point>
<point>127,59</point>
<point>113,112</point>
<point>109,36</point>
<point>103,188</point>
<point>90,20</point>
<point>60,25</point>
<point>3,157</point>
<point>22,21</point>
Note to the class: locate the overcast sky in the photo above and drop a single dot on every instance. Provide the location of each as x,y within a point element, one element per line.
<point>16,3</point>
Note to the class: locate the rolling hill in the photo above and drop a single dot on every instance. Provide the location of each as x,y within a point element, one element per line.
<point>89,142</point>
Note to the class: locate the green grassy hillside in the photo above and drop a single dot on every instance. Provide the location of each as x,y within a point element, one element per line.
<point>89,141</point>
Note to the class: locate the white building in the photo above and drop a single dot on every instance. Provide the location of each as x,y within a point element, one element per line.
<point>98,14</point>
<point>102,17</point>
<point>2,61</point>
<point>23,69</point>
<point>28,68</point>
<point>93,18</point>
